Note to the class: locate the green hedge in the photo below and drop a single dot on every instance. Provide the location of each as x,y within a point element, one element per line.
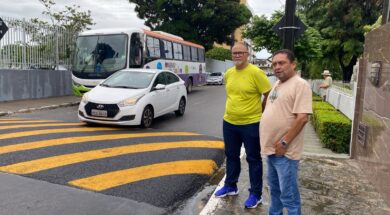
<point>322,106</point>
<point>332,127</point>
<point>316,98</point>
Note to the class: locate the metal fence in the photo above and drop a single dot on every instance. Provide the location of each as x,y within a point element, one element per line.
<point>27,45</point>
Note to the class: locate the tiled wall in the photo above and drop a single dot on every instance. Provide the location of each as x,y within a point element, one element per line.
<point>373,111</point>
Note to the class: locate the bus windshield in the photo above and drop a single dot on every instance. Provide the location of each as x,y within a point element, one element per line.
<point>98,56</point>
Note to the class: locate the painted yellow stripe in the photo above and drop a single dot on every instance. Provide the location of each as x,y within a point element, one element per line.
<point>113,179</point>
<point>62,160</point>
<point>25,121</point>
<point>40,125</point>
<point>50,131</point>
<point>10,119</point>
<point>72,140</point>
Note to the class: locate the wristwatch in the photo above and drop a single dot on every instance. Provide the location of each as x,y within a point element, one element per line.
<point>284,144</point>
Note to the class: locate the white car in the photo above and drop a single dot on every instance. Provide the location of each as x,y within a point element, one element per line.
<point>215,78</point>
<point>134,97</point>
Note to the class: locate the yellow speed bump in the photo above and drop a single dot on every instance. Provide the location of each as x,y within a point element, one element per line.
<point>113,179</point>
<point>25,121</point>
<point>73,140</point>
<point>51,131</point>
<point>62,160</point>
<point>39,125</point>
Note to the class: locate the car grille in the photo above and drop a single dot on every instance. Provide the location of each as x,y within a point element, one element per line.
<point>112,109</point>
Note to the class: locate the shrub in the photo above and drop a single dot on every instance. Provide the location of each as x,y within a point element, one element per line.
<point>322,106</point>
<point>217,53</point>
<point>334,130</point>
<point>316,98</point>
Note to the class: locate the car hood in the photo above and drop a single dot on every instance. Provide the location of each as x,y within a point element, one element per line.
<point>108,95</point>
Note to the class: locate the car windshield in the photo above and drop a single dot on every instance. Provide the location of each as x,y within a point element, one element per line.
<point>216,74</point>
<point>129,79</point>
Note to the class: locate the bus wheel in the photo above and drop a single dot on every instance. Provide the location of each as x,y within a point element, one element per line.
<point>189,86</point>
<point>147,117</point>
<point>182,107</point>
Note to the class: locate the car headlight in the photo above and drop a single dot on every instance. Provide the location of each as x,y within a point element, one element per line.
<point>84,99</point>
<point>130,101</point>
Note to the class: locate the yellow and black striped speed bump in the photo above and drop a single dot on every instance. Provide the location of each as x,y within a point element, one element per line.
<point>111,160</point>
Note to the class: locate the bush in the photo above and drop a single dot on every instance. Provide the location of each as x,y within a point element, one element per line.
<point>319,105</point>
<point>316,98</point>
<point>332,127</point>
<point>217,53</point>
<point>334,130</point>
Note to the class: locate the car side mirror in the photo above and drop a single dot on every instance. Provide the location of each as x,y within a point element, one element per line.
<point>159,87</point>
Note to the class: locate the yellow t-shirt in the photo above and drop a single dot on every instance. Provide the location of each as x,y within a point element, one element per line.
<point>244,89</point>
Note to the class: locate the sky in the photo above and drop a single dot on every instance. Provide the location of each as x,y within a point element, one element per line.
<point>111,13</point>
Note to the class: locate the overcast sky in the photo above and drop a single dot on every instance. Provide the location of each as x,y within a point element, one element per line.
<point>108,13</point>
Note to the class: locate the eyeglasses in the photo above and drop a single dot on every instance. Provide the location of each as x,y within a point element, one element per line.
<point>238,54</point>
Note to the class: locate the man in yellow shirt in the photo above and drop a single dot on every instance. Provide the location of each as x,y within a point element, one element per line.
<point>245,84</point>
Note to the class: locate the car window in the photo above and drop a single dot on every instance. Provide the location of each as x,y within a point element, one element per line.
<point>129,79</point>
<point>216,74</point>
<point>160,79</point>
<point>171,78</point>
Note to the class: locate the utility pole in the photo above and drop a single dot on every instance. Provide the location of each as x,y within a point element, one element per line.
<point>386,12</point>
<point>289,29</point>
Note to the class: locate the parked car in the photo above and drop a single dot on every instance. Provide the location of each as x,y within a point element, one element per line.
<point>215,78</point>
<point>134,97</point>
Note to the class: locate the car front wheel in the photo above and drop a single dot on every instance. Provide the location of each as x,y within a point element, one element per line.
<point>182,107</point>
<point>147,117</point>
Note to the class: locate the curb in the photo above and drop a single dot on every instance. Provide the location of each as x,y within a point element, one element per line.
<point>213,202</point>
<point>47,107</point>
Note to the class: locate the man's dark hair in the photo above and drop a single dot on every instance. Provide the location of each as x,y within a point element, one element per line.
<point>289,53</point>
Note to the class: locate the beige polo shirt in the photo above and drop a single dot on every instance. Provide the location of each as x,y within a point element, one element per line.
<point>284,101</point>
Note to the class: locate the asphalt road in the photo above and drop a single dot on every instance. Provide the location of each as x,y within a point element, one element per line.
<point>81,169</point>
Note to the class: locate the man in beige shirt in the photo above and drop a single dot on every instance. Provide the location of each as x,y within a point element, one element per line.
<point>281,132</point>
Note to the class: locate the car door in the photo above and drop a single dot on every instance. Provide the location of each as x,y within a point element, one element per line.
<point>159,101</point>
<point>173,90</point>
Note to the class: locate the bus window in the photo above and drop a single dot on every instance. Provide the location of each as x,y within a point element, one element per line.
<point>194,54</point>
<point>178,55</point>
<point>135,51</point>
<point>152,47</point>
<point>168,49</point>
<point>186,53</point>
<point>201,55</point>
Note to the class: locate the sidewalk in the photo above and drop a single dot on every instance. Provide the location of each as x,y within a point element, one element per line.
<point>330,183</point>
<point>22,106</point>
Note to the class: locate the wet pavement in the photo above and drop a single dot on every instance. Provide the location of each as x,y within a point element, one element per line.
<point>330,184</point>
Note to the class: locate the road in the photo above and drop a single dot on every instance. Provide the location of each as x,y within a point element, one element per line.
<point>54,164</point>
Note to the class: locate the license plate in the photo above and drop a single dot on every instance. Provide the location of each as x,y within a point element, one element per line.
<point>102,113</point>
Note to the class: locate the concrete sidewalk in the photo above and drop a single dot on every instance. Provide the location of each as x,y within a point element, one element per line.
<point>330,183</point>
<point>29,105</point>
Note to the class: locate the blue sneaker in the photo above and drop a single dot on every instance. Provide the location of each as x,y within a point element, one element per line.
<point>226,191</point>
<point>253,200</point>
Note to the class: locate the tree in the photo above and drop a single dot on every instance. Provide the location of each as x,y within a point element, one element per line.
<point>341,25</point>
<point>200,21</point>
<point>218,53</point>
<point>307,46</point>
<point>70,19</point>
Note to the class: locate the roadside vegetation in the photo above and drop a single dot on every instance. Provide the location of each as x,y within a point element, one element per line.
<point>334,37</point>
<point>332,127</point>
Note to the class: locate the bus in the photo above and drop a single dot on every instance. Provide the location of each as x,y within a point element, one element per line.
<point>100,53</point>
